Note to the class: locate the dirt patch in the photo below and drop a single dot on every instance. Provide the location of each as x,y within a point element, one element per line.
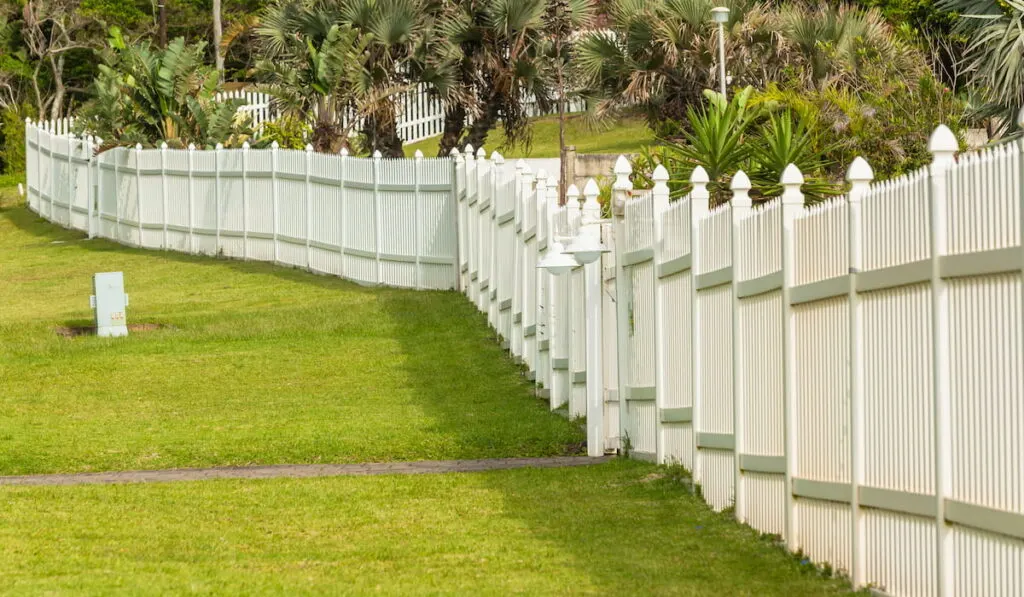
<point>90,330</point>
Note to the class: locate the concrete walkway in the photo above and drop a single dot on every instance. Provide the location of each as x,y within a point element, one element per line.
<point>303,470</point>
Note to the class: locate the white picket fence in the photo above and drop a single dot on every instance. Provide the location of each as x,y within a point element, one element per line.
<point>420,112</point>
<point>848,376</point>
<point>372,220</point>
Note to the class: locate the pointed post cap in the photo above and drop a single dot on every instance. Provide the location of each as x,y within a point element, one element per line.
<point>622,167</point>
<point>860,171</point>
<point>191,146</point>
<point>660,174</point>
<point>99,141</point>
<point>309,148</point>
<point>138,147</point>
<point>542,173</point>
<point>28,120</point>
<point>245,145</point>
<point>942,140</point>
<point>792,176</point>
<point>418,155</point>
<point>497,158</point>
<point>275,145</point>
<point>469,150</point>
<point>573,191</point>
<point>344,151</point>
<point>521,164</point>
<point>220,146</point>
<point>454,152</point>
<point>527,169</point>
<point>481,154</point>
<point>699,176</point>
<point>377,155</point>
<point>740,182</point>
<point>591,189</point>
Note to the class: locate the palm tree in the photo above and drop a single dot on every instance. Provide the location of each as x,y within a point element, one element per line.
<point>504,55</point>
<point>661,54</point>
<point>994,59</point>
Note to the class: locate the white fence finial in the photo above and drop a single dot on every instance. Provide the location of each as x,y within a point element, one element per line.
<point>343,151</point>
<point>192,147</point>
<point>138,147</point>
<point>275,145</point>
<point>573,194</point>
<point>454,153</point>
<point>418,155</point>
<point>377,155</point>
<point>245,145</point>
<point>481,154</point>
<point>591,207</point>
<point>309,147</point>
<point>741,203</point>
<point>497,158</point>
<point>792,197</point>
<point>943,146</point>
<point>469,151</point>
<point>622,186</point>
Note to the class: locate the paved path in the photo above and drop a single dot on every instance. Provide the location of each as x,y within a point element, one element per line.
<point>303,470</point>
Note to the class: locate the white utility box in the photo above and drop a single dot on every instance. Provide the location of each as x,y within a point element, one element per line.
<point>110,302</point>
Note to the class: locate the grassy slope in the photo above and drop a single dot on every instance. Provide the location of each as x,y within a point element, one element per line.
<point>265,365</point>
<point>615,529</point>
<point>625,136</point>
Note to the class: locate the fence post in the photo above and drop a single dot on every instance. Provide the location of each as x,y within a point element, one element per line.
<point>700,206</point>
<point>468,202</point>
<point>307,205</point>
<point>594,339</point>
<point>90,182</point>
<point>792,206</point>
<point>860,176</point>
<point>659,198</point>
<point>274,149</point>
<point>245,201</point>
<point>943,146</point>
<point>741,208</point>
<point>460,217</point>
<point>342,210</point>
<point>117,196</point>
<point>377,156</point>
<point>623,288</point>
<point>497,169</point>
<point>138,190</point>
<point>216,196</point>
<point>163,191</point>
<point>418,156</point>
<point>98,214</point>
<point>191,200</point>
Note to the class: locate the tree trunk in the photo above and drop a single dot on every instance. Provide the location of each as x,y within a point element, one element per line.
<point>382,135</point>
<point>218,33</point>
<point>58,83</point>
<point>454,122</point>
<point>482,126</point>
<point>162,23</point>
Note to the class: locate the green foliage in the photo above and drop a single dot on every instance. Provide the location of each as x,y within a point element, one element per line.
<point>289,131</point>
<point>12,139</point>
<point>147,95</point>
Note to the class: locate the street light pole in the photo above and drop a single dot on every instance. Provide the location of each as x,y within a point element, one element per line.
<point>720,15</point>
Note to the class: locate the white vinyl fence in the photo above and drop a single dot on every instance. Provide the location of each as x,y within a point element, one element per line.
<point>848,376</point>
<point>373,220</point>
<point>420,112</point>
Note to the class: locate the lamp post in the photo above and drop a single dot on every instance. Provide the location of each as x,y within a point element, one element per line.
<point>587,248</point>
<point>720,15</point>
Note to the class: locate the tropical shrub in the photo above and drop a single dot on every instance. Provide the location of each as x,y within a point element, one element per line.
<point>150,95</point>
<point>12,139</point>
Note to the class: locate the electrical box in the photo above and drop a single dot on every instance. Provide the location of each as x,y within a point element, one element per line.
<point>110,303</point>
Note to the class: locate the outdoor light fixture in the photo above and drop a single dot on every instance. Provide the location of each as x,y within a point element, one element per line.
<point>720,15</point>
<point>587,248</point>
<point>557,261</point>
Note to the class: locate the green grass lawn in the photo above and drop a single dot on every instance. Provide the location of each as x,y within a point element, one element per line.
<point>616,529</point>
<point>262,364</point>
<point>627,135</point>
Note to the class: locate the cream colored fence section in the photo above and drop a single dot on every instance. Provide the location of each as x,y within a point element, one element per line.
<point>715,467</point>
<point>674,292</point>
<point>375,221</point>
<point>640,412</point>
<point>759,384</point>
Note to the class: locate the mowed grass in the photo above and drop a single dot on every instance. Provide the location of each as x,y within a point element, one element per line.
<point>621,528</point>
<point>260,364</point>
<point>626,135</point>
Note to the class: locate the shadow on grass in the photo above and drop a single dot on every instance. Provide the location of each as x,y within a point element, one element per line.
<point>662,537</point>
